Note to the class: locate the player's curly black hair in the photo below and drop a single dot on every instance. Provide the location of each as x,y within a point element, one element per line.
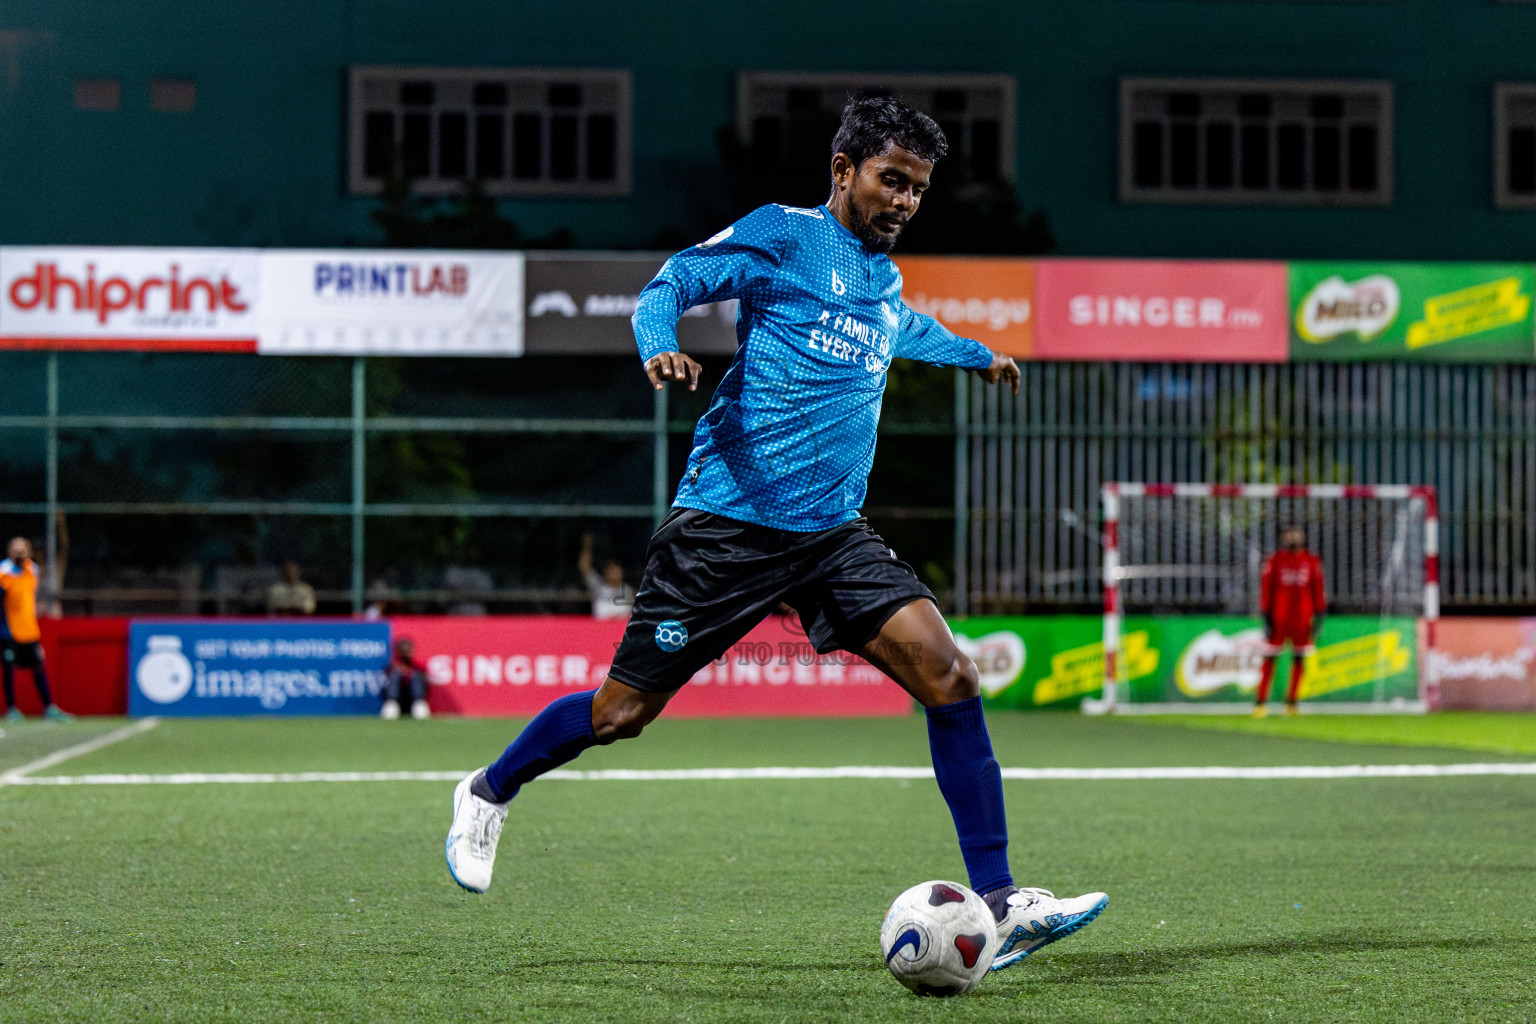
<point>871,123</point>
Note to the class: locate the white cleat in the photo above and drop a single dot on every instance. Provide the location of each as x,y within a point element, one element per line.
<point>1037,918</point>
<point>419,710</point>
<point>471,845</point>
<point>390,711</point>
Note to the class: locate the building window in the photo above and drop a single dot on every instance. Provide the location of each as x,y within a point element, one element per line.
<point>788,114</point>
<point>98,94</point>
<point>523,132</point>
<point>173,95</point>
<point>1231,141</point>
<point>1514,144</point>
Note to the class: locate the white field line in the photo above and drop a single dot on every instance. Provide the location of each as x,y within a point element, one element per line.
<point>1343,771</point>
<point>19,775</point>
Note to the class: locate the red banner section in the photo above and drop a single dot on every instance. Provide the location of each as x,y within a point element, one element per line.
<point>87,663</point>
<point>1185,310</point>
<point>1487,664</point>
<point>514,665</point>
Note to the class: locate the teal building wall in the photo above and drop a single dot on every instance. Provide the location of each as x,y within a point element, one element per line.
<point>262,158</point>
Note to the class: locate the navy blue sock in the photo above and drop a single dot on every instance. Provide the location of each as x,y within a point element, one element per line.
<point>972,785</point>
<point>560,732</point>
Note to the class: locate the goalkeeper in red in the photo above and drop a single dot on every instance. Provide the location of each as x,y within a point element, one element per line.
<point>1292,601</point>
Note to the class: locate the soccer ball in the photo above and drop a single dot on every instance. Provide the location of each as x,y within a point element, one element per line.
<point>938,938</point>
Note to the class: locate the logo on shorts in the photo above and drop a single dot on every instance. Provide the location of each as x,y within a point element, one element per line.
<point>671,636</point>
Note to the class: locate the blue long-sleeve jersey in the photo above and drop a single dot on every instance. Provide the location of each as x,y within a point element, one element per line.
<point>789,437</point>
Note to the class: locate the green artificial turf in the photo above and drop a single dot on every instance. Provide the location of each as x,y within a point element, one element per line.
<point>1299,900</point>
<point>1457,730</point>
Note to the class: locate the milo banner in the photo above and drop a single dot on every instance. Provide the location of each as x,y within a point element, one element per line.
<point>1427,312</point>
<point>1056,661</point>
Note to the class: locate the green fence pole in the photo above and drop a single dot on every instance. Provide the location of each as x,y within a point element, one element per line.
<point>359,476</point>
<point>51,527</point>
<point>659,494</point>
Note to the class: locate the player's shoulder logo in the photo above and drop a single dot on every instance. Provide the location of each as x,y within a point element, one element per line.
<point>671,636</point>
<point>716,239</point>
<point>801,210</point>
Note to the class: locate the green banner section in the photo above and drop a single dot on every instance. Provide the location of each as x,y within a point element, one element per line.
<point>1056,661</point>
<point>1425,312</point>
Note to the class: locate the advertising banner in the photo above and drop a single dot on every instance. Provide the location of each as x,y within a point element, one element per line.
<point>214,667</point>
<point>1051,660</point>
<point>581,305</point>
<point>991,300</point>
<point>514,665</point>
<point>1486,664</point>
<point>1057,660</point>
<point>1207,311</point>
<point>1218,658</point>
<point>1433,312</point>
<point>124,297</point>
<point>391,302</point>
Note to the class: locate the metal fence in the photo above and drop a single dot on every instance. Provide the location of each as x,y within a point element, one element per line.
<point>1031,466</point>
<point>183,481</point>
<point>180,482</point>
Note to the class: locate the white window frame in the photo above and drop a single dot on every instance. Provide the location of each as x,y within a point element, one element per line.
<point>1502,196</point>
<point>508,186</point>
<point>900,85</point>
<point>1130,192</point>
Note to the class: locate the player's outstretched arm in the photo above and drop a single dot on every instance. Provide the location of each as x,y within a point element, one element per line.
<point>1003,369</point>
<point>665,367</point>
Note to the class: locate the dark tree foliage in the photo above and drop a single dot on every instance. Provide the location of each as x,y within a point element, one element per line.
<point>959,215</point>
<point>469,220</point>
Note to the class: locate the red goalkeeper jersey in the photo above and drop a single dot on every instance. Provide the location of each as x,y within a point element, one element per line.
<point>1291,589</point>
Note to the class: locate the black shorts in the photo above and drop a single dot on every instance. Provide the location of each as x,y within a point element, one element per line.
<point>709,580</point>
<point>21,655</point>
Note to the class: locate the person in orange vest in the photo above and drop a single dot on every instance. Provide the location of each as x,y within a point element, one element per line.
<point>20,639</point>
<point>1292,601</point>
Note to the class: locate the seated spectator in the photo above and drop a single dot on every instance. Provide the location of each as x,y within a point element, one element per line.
<point>405,680</point>
<point>292,596</point>
<point>611,596</point>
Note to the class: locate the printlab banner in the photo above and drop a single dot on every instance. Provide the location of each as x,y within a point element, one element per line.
<point>1428,312</point>
<point>215,667</point>
<point>1058,660</point>
<point>514,665</point>
<point>390,302</point>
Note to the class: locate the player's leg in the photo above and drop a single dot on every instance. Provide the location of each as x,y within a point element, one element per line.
<point>708,580</point>
<point>40,680</point>
<point>8,677</point>
<point>916,648</point>
<point>1301,649</point>
<point>1273,644</point>
<point>391,707</point>
<point>418,693</point>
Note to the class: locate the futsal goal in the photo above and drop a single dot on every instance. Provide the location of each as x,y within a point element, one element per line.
<point>1182,568</point>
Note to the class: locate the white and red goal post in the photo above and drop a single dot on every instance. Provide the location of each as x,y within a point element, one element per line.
<point>1175,541</point>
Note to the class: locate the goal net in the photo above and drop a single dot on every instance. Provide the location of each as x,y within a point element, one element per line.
<point>1182,570</point>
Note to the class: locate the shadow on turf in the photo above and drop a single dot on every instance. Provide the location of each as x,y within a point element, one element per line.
<point>1067,968</point>
<point>1071,968</point>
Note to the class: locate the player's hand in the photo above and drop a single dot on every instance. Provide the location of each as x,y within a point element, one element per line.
<point>668,367</point>
<point>1003,369</point>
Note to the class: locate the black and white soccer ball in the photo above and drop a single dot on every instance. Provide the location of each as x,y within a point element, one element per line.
<point>938,939</point>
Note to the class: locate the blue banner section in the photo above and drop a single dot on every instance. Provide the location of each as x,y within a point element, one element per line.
<point>256,668</point>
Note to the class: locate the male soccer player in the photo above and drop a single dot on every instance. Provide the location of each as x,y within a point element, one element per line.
<point>1292,601</point>
<point>768,507</point>
<point>20,640</point>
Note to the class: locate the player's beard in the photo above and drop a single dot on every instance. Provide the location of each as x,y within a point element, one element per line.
<point>872,239</point>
